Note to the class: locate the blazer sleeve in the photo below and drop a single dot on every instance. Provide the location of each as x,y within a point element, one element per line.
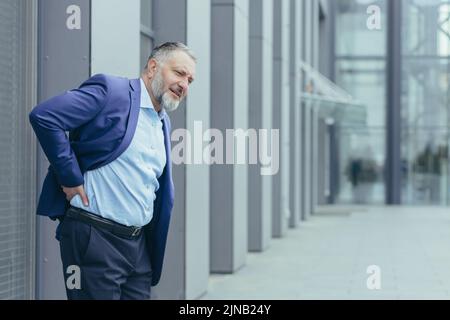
<point>66,112</point>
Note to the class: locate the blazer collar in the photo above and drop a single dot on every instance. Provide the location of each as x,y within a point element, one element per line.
<point>135,84</point>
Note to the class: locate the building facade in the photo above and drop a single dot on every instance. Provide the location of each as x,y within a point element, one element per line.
<point>263,67</point>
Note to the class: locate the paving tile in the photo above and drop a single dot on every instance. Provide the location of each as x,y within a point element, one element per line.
<point>327,258</point>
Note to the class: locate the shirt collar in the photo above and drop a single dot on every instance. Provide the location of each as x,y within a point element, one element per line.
<point>146,101</point>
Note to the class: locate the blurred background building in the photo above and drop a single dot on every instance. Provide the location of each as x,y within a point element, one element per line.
<point>358,90</point>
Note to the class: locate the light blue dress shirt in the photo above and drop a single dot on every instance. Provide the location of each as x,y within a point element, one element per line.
<point>124,190</point>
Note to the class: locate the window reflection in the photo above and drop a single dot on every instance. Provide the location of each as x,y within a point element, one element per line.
<point>361,71</point>
<point>425,101</point>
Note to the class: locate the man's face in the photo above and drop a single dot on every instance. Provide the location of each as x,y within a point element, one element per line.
<point>171,80</point>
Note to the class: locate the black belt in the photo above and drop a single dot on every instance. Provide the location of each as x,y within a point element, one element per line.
<point>97,221</point>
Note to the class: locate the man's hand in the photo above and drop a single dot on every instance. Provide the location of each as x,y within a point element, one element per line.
<point>72,192</point>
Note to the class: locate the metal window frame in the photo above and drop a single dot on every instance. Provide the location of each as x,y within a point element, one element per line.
<point>147,32</point>
<point>393,112</point>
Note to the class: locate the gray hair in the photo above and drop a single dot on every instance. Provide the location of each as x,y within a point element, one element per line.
<point>162,52</point>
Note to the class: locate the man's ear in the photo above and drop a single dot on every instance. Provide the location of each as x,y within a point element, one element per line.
<point>151,68</point>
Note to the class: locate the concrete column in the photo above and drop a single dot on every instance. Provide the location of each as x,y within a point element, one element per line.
<point>295,49</point>
<point>63,64</point>
<point>394,103</point>
<point>285,162</point>
<point>306,112</point>
<point>281,86</point>
<point>327,38</point>
<point>186,263</point>
<point>323,174</point>
<point>315,164</point>
<point>229,109</point>
<point>198,111</point>
<point>306,182</point>
<point>298,114</point>
<point>277,223</point>
<point>316,106</point>
<point>260,117</point>
<point>316,30</point>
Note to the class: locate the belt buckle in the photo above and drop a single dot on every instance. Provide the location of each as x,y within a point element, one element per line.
<point>136,232</point>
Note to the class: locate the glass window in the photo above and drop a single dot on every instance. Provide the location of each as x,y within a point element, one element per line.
<point>361,71</point>
<point>365,80</point>
<point>147,36</point>
<point>361,165</point>
<point>353,36</point>
<point>17,157</point>
<point>146,13</point>
<point>425,102</point>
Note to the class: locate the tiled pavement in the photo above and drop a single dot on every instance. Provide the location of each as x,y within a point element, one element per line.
<point>327,258</point>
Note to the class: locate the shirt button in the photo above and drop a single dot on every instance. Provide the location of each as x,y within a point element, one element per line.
<point>152,147</point>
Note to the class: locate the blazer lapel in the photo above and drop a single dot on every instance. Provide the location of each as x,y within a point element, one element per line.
<point>135,101</point>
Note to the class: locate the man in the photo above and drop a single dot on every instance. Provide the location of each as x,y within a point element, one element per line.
<point>110,182</point>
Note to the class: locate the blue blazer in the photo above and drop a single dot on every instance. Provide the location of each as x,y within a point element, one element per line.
<point>101,118</point>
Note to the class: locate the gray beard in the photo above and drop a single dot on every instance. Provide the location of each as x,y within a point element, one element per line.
<point>164,99</point>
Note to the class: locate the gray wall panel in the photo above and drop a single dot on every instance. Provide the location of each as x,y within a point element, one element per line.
<point>394,103</point>
<point>296,159</point>
<point>222,100</point>
<point>323,163</point>
<point>255,122</point>
<point>186,266</point>
<point>314,130</point>
<point>267,117</point>
<point>315,157</point>
<point>260,117</point>
<point>285,117</point>
<point>277,102</point>
<point>308,58</point>
<point>281,119</point>
<point>293,101</point>
<point>326,40</point>
<point>173,280</point>
<point>240,118</point>
<point>229,62</point>
<point>298,116</point>
<point>64,57</point>
<point>198,175</point>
